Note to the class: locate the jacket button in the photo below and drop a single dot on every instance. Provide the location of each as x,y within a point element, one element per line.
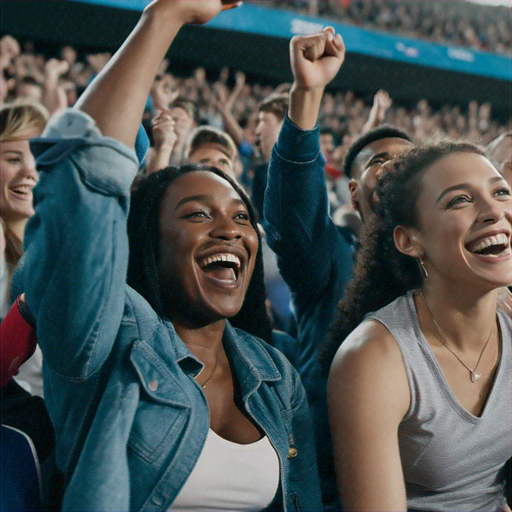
<point>153,385</point>
<point>292,452</point>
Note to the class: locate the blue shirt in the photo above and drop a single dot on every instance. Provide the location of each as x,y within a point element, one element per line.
<point>315,258</point>
<point>130,419</point>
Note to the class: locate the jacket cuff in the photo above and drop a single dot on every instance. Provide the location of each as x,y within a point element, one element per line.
<point>297,145</point>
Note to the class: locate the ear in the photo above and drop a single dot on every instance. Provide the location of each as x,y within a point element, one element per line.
<point>353,187</point>
<point>407,241</point>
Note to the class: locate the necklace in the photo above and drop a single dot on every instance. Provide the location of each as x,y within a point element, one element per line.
<point>211,374</point>
<point>472,372</point>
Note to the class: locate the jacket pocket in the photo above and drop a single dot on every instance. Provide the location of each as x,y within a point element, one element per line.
<point>163,408</point>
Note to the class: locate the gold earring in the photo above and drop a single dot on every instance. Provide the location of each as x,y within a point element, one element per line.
<point>422,268</point>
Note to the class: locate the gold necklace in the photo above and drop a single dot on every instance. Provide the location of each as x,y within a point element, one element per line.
<point>211,374</point>
<point>472,372</point>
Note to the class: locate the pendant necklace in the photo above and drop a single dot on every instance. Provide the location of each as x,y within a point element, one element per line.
<point>211,374</point>
<point>472,372</point>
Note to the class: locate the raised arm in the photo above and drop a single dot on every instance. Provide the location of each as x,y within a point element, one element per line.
<point>74,270</point>
<point>368,395</point>
<point>296,206</point>
<point>117,97</point>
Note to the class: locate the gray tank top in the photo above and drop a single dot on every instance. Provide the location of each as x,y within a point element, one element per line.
<point>452,460</point>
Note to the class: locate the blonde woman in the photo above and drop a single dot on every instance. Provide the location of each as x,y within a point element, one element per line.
<point>19,121</point>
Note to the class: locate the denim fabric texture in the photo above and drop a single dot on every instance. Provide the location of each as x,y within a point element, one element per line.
<point>315,259</point>
<point>130,419</point>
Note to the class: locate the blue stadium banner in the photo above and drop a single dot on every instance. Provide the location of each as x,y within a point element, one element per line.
<point>283,24</point>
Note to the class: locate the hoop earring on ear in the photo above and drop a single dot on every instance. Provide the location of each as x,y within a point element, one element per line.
<point>423,269</point>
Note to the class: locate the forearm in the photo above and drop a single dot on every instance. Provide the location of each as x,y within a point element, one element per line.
<point>232,127</point>
<point>159,159</point>
<point>305,106</point>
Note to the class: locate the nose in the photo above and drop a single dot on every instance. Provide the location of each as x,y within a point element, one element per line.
<point>29,168</point>
<point>226,228</point>
<point>492,211</point>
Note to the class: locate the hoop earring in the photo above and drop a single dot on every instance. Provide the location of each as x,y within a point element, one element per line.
<point>423,269</point>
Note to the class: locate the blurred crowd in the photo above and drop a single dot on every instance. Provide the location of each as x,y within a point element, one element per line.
<point>459,23</point>
<point>57,82</point>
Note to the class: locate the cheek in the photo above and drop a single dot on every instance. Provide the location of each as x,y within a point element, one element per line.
<point>7,173</point>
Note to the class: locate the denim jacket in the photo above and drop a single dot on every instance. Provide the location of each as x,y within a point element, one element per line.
<point>315,258</point>
<point>130,419</point>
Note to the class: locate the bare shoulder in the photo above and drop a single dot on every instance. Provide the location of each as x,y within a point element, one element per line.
<point>370,363</point>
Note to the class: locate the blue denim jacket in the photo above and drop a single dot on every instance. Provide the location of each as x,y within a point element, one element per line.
<point>315,258</point>
<point>130,419</point>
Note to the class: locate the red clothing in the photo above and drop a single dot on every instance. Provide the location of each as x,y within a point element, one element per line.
<point>17,343</point>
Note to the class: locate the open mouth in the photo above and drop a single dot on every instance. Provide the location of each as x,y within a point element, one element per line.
<point>224,267</point>
<point>22,191</point>
<point>495,245</point>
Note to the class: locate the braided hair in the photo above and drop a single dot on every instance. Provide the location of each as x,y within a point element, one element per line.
<point>143,234</point>
<point>382,273</point>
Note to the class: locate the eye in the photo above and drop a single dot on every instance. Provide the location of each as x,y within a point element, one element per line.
<point>502,191</point>
<point>14,160</point>
<point>244,216</point>
<point>197,215</point>
<point>458,200</point>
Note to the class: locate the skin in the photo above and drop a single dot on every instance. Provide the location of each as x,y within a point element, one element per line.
<point>214,155</point>
<point>368,167</point>
<point>203,215</point>
<point>17,169</point>
<point>267,132</point>
<point>462,199</point>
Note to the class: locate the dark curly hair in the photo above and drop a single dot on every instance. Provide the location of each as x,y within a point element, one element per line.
<point>143,234</point>
<point>382,273</point>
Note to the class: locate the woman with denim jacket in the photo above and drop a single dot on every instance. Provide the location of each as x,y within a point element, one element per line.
<point>158,402</point>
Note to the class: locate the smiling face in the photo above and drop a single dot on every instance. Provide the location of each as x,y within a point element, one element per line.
<point>367,168</point>
<point>464,214</point>
<point>18,177</point>
<point>207,248</point>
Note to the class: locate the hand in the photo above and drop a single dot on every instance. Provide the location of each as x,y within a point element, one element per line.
<point>196,12</point>
<point>381,103</point>
<point>163,130</point>
<point>54,69</point>
<point>163,92</point>
<point>219,96</point>
<point>316,59</point>
<point>9,48</point>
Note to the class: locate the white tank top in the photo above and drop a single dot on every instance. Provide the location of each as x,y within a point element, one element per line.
<point>230,477</point>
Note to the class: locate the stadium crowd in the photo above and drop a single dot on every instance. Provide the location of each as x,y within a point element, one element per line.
<point>466,24</point>
<point>223,295</point>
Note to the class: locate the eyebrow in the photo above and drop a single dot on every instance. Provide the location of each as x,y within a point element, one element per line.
<point>465,186</point>
<point>203,198</point>
<point>15,151</point>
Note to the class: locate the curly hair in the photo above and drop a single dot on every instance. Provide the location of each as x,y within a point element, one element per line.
<point>143,234</point>
<point>382,273</point>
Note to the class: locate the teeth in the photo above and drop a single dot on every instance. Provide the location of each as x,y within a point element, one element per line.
<point>22,189</point>
<point>483,243</point>
<point>221,257</point>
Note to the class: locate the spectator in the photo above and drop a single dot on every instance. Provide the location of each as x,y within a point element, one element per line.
<point>146,376</point>
<point>432,357</point>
